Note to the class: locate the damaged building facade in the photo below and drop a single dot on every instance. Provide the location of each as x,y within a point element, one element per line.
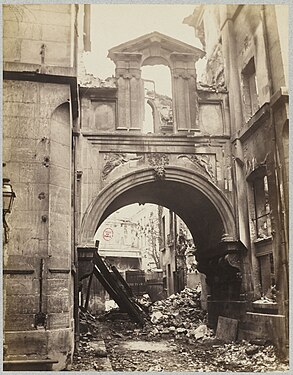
<point>247,54</point>
<point>75,152</point>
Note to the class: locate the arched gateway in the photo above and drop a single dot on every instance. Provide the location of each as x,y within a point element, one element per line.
<point>185,164</point>
<point>206,211</point>
<point>197,200</point>
<point>75,150</point>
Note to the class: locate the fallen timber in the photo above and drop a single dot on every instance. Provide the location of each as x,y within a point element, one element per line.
<point>117,288</point>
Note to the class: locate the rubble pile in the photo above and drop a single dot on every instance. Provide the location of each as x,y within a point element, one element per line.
<point>87,322</point>
<point>202,357</point>
<point>180,315</point>
<point>242,356</point>
<point>116,343</point>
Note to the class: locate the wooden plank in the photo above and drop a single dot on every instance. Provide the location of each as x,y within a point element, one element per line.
<point>114,289</point>
<point>88,291</point>
<point>105,284</point>
<point>90,282</point>
<point>124,283</point>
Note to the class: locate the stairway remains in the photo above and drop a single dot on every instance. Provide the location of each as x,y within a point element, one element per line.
<point>117,288</point>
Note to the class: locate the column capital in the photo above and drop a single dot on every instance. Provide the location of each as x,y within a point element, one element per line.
<point>118,57</point>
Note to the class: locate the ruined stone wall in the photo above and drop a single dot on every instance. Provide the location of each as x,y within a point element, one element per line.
<point>37,132</point>
<point>257,35</point>
<point>250,41</point>
<point>249,44</point>
<point>257,148</point>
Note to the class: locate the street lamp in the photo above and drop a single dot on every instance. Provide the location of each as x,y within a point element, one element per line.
<point>8,197</point>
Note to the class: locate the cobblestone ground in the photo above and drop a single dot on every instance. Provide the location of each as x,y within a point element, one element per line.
<point>130,348</point>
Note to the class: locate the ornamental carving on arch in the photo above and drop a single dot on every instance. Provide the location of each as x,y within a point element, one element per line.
<point>203,163</point>
<point>114,160</point>
<point>158,161</point>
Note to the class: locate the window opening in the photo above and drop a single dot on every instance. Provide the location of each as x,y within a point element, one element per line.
<point>169,270</point>
<point>163,232</point>
<point>250,89</point>
<point>262,219</point>
<point>149,109</point>
<point>262,225</point>
<point>158,114</point>
<point>267,275</point>
<point>171,223</point>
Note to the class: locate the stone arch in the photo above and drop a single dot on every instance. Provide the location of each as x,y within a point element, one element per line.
<point>149,60</point>
<point>155,114</point>
<point>178,183</point>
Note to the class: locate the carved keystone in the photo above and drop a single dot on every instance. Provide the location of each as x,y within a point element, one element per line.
<point>158,161</point>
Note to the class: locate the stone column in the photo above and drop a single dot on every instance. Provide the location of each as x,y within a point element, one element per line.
<point>130,93</point>
<point>185,100</point>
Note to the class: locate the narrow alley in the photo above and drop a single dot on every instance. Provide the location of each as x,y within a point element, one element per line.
<point>175,337</point>
<point>145,186</point>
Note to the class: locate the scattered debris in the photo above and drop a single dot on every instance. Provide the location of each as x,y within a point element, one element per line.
<point>89,80</point>
<point>179,315</point>
<point>175,338</point>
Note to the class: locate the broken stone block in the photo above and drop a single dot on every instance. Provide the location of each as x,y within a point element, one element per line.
<point>156,316</point>
<point>200,332</point>
<point>227,329</point>
<point>155,331</point>
<point>155,368</point>
<point>100,353</point>
<point>181,330</point>
<point>252,350</point>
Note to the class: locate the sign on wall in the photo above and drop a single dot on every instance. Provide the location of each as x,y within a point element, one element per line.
<point>108,234</point>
